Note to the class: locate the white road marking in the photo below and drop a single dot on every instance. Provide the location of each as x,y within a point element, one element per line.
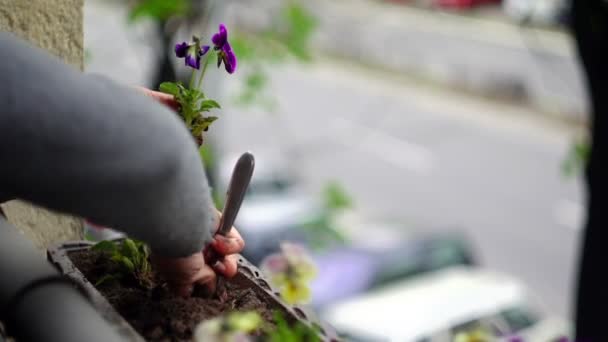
<point>395,151</point>
<point>570,214</point>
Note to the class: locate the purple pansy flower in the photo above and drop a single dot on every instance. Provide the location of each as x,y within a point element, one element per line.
<point>191,53</point>
<point>224,50</point>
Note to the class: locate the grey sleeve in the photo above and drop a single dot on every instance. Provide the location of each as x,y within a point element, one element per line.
<point>90,147</point>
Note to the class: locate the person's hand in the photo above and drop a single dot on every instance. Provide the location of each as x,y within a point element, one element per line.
<point>169,101</point>
<point>227,247</point>
<point>182,274</point>
<point>166,99</point>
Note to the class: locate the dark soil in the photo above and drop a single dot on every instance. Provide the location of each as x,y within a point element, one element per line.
<point>157,314</point>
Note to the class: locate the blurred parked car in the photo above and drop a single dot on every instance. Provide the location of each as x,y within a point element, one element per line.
<point>437,306</point>
<point>378,254</point>
<point>463,4</point>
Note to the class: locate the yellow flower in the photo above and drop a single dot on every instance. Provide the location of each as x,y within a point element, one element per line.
<point>477,335</point>
<point>290,270</point>
<point>295,293</point>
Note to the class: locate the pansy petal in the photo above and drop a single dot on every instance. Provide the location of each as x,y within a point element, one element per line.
<point>181,49</point>
<point>293,249</point>
<point>295,293</point>
<point>193,62</point>
<point>220,38</point>
<point>227,47</point>
<point>204,50</point>
<point>274,263</point>
<point>295,253</point>
<point>306,272</point>
<point>230,62</point>
<point>279,280</point>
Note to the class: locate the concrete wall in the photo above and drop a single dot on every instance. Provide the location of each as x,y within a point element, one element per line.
<point>54,25</point>
<point>57,26</point>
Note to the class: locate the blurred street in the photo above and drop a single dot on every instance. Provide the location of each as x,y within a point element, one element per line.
<point>493,58</point>
<point>433,158</point>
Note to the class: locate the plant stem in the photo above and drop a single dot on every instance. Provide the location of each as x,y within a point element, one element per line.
<point>200,80</point>
<point>192,79</point>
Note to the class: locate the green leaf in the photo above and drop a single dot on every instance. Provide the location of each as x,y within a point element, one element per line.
<point>206,155</point>
<point>336,197</point>
<point>301,27</point>
<point>181,87</point>
<point>169,88</point>
<point>129,249</point>
<point>159,10</point>
<point>208,104</point>
<point>576,159</point>
<point>128,264</point>
<point>194,95</point>
<point>283,332</point>
<point>242,47</point>
<point>203,124</point>
<point>105,246</point>
<point>143,258</point>
<point>144,251</point>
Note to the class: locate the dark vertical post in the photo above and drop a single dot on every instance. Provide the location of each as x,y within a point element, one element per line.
<point>590,27</point>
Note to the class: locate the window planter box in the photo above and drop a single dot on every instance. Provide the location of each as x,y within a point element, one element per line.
<point>249,279</point>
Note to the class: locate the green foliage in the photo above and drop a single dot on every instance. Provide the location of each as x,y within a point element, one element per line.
<point>159,10</point>
<point>131,257</point>
<point>283,332</point>
<point>323,232</point>
<point>577,158</point>
<point>235,326</point>
<point>336,197</point>
<point>288,36</point>
<point>192,103</point>
<point>206,155</point>
<point>300,27</point>
<point>255,81</point>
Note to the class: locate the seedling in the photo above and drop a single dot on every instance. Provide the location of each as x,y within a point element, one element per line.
<point>283,332</point>
<point>131,257</point>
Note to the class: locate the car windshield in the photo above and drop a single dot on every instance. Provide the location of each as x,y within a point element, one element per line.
<point>519,318</point>
<point>447,253</point>
<point>416,260</point>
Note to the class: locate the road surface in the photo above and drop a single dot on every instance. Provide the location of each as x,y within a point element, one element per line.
<point>433,159</point>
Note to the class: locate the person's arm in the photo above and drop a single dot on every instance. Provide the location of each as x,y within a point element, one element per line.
<point>87,146</point>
